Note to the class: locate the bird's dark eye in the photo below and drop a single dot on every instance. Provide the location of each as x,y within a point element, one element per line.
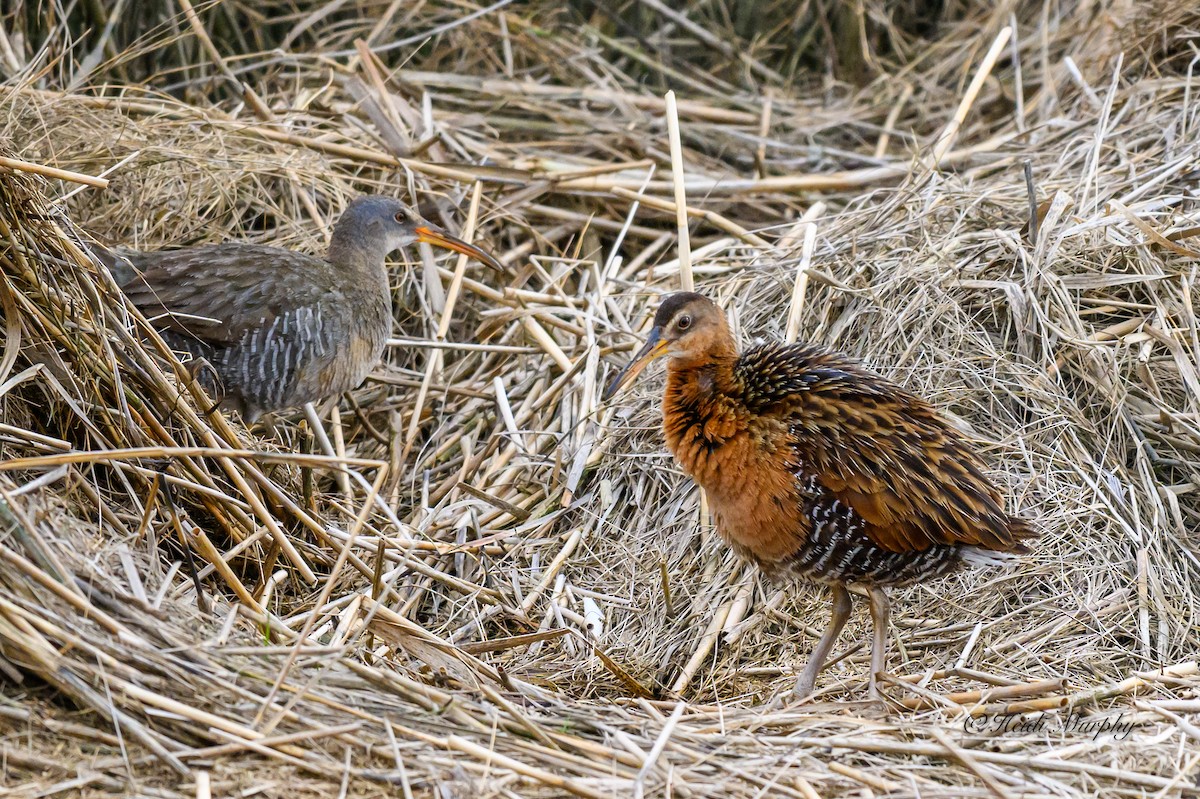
<point>400,217</point>
<point>684,322</point>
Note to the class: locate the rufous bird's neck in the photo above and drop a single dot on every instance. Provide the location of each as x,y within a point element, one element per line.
<point>705,368</point>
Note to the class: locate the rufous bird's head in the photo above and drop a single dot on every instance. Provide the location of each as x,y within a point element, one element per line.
<point>688,328</point>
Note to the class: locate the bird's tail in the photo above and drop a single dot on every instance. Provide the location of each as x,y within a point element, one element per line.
<point>1022,530</point>
<point>117,261</point>
<point>1019,530</point>
<point>982,556</point>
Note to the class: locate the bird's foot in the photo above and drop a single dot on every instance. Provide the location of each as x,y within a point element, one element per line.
<point>875,697</point>
<point>801,694</point>
<point>786,700</point>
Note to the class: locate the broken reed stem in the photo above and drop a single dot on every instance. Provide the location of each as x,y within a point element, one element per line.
<point>162,453</point>
<point>548,345</point>
<point>1021,760</point>
<point>889,124</point>
<point>1039,705</point>
<point>660,743</point>
<point>1037,688</point>
<point>52,172</point>
<point>460,266</point>
<point>712,217</point>
<point>326,591</point>
<point>1132,685</point>
<point>323,441</point>
<point>796,309</point>
<point>252,99</point>
<point>433,364</point>
<point>870,781</point>
<point>950,133</point>
<point>684,244</point>
<point>548,778</point>
<point>552,571</point>
<point>665,581</point>
<point>973,765</point>
<point>708,640</point>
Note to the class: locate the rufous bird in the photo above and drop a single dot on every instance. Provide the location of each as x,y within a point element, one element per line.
<point>281,328</point>
<point>817,469</point>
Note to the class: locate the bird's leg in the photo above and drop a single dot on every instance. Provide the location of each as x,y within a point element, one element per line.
<point>196,368</point>
<point>881,608</point>
<point>837,620</point>
<point>199,367</point>
<point>202,372</point>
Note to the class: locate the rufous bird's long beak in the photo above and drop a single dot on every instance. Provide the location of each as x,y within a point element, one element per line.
<point>440,238</point>
<point>655,347</point>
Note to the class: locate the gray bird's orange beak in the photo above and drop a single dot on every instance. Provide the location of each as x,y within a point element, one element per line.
<point>440,238</point>
<point>655,347</point>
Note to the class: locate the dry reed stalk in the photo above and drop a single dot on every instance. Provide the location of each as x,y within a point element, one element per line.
<point>543,776</point>
<point>863,778</point>
<point>683,242</point>
<point>434,361</point>
<point>705,644</point>
<point>713,218</point>
<point>800,288</point>
<point>52,172</point>
<point>1023,706</point>
<point>1189,729</point>
<point>1133,684</point>
<point>152,453</point>
<point>963,756</point>
<point>989,694</point>
<point>326,591</point>
<point>949,134</point>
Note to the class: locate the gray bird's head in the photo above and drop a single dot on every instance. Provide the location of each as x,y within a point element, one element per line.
<point>374,226</point>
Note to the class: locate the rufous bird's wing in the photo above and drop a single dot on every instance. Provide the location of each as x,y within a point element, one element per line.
<point>912,477</point>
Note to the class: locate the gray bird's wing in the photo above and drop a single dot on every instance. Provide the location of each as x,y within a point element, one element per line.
<point>217,293</point>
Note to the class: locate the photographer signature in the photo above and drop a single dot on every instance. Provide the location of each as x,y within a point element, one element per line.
<point>1023,724</point>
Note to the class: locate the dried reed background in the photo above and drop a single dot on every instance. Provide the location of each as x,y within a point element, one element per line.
<point>397,599</point>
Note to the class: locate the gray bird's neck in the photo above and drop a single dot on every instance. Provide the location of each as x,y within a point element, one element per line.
<point>364,256</point>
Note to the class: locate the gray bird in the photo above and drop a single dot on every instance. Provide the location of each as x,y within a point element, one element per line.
<point>281,328</point>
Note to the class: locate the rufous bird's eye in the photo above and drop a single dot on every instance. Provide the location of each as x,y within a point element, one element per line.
<point>684,322</point>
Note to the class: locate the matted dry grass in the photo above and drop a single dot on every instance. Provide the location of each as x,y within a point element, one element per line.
<point>453,584</point>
